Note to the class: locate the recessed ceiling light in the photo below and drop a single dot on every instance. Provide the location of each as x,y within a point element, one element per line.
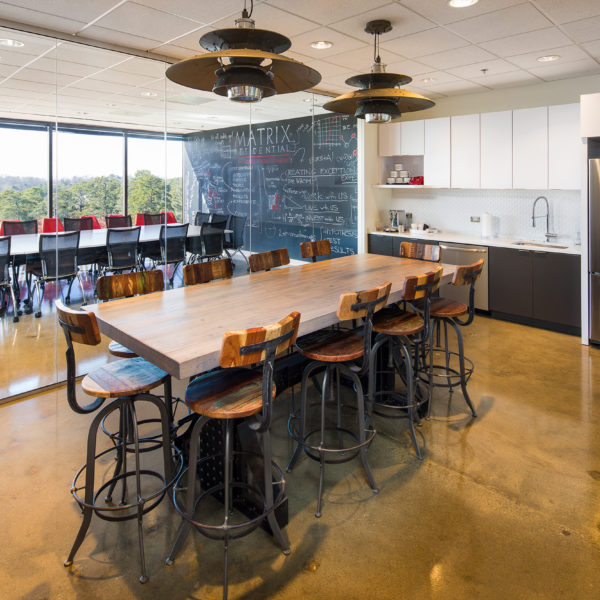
<point>149,94</point>
<point>548,58</point>
<point>111,105</point>
<point>307,100</point>
<point>428,79</point>
<point>321,45</point>
<point>11,43</point>
<point>462,3</point>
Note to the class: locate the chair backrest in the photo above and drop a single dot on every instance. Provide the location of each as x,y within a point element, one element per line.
<point>201,217</point>
<point>122,247</point>
<point>212,240</point>
<point>19,227</point>
<point>237,224</point>
<point>172,242</point>
<point>118,221</point>
<point>314,249</point>
<point>430,252</point>
<point>125,285</point>
<point>207,271</point>
<point>52,225</point>
<point>265,261</point>
<point>78,223</point>
<point>468,275</point>
<point>159,218</point>
<point>80,327</point>
<point>4,259</point>
<point>218,220</point>
<point>421,286</point>
<point>355,305</point>
<point>58,254</point>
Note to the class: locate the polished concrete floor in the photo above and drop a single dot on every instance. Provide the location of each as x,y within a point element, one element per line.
<point>504,506</point>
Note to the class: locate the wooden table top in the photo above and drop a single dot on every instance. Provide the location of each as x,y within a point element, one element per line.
<point>181,330</point>
<point>29,243</point>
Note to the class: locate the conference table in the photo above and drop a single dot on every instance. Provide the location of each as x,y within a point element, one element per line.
<point>181,330</point>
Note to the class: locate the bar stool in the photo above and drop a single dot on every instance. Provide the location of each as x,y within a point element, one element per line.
<point>265,261</point>
<point>228,394</point>
<point>402,331</point>
<point>449,312</point>
<point>336,351</point>
<point>313,249</point>
<point>126,383</point>
<point>197,273</point>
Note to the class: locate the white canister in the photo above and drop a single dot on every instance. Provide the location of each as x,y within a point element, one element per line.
<point>394,174</point>
<point>390,180</point>
<point>486,225</point>
<point>403,173</point>
<point>399,179</point>
<point>406,180</point>
<point>398,166</point>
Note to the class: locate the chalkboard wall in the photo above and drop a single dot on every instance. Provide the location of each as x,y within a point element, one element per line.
<point>295,180</point>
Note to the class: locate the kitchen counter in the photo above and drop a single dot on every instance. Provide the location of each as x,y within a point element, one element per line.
<point>500,242</point>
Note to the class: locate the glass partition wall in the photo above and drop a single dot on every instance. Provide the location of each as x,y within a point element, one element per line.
<point>89,132</point>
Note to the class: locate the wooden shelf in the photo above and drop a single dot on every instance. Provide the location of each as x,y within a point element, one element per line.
<point>401,186</point>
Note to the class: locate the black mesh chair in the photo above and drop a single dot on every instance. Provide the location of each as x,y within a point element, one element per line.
<point>122,250</point>
<point>20,227</point>
<point>172,248</point>
<point>78,224</point>
<point>212,241</point>
<point>155,218</point>
<point>201,218</point>
<point>234,241</point>
<point>58,260</point>
<point>6,285</point>
<point>219,221</point>
<point>113,221</point>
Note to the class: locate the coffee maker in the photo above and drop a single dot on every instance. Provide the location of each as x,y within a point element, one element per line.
<point>397,220</point>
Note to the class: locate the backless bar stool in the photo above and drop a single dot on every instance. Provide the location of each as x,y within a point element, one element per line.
<point>228,394</point>
<point>126,383</point>
<point>402,331</point>
<point>335,351</point>
<point>449,312</point>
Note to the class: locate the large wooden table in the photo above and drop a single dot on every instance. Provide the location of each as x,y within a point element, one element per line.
<point>181,330</point>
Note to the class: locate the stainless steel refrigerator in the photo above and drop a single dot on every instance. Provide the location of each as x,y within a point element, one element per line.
<point>594,241</point>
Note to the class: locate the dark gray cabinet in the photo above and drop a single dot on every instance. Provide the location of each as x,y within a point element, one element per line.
<point>536,285</point>
<point>390,245</point>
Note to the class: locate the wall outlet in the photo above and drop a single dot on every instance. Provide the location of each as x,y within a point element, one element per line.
<point>475,220</point>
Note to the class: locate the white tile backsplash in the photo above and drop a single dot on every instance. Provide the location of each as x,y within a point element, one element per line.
<point>450,210</point>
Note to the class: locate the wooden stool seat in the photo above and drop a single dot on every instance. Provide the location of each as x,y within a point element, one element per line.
<point>394,321</point>
<point>121,351</point>
<point>123,378</point>
<point>445,307</point>
<point>226,394</point>
<point>331,346</point>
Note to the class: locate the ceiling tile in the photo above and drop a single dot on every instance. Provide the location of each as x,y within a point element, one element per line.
<point>566,53</point>
<point>110,75</point>
<point>86,55</point>
<point>358,61</point>
<point>202,11</point>
<point>507,80</point>
<point>458,57</point>
<point>585,30</point>
<point>33,44</point>
<point>173,51</point>
<point>64,66</point>
<point>593,48</point>
<point>121,39</point>
<point>424,43</point>
<point>39,19</point>
<point>501,23</point>
<point>440,12</point>
<point>325,13</point>
<point>407,67</point>
<point>142,66</point>
<point>435,78</point>
<point>144,22</point>
<point>564,71</point>
<point>563,11</point>
<point>79,11</point>
<point>341,43</point>
<point>189,41</point>
<point>527,42</point>
<point>403,20</point>
<point>458,87</point>
<point>494,67</point>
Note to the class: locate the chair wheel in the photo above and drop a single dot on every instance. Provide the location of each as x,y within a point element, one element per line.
<point>15,319</point>
<point>318,515</point>
<point>19,313</point>
<point>38,314</point>
<point>28,310</point>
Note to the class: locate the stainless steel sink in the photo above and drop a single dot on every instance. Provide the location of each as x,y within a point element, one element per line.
<point>540,245</point>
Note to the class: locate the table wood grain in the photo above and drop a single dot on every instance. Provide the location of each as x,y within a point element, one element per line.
<point>181,330</point>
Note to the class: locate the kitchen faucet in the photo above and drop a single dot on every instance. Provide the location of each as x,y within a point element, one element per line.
<point>547,215</point>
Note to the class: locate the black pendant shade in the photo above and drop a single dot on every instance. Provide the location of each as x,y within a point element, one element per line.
<point>379,98</point>
<point>244,64</point>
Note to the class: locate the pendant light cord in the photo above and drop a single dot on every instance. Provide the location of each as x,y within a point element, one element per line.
<point>245,13</point>
<point>376,57</point>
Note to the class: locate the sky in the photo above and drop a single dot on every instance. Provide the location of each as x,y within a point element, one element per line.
<point>25,153</point>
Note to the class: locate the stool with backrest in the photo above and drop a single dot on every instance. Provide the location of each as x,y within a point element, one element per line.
<point>5,282</point>
<point>335,352</point>
<point>239,390</point>
<point>58,261</point>
<point>122,250</point>
<point>313,249</point>
<point>113,221</point>
<point>431,252</point>
<point>265,261</point>
<point>205,272</point>
<point>124,384</point>
<point>450,313</point>
<point>401,330</point>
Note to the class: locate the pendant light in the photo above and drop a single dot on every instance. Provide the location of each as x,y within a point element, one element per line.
<point>244,64</point>
<point>379,99</point>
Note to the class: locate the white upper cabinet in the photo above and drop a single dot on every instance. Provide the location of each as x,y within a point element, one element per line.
<point>496,150</point>
<point>464,151</point>
<point>412,138</point>
<point>437,152</point>
<point>389,139</point>
<point>564,147</point>
<point>530,148</point>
